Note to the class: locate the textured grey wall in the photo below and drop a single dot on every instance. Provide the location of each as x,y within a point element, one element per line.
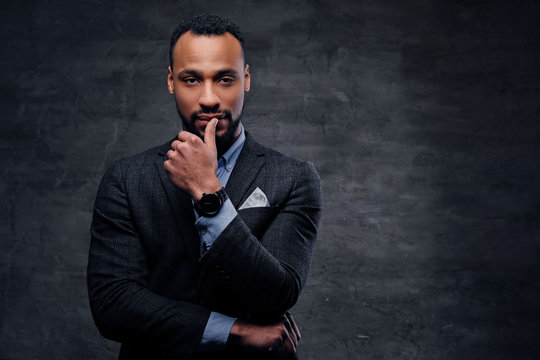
<point>422,118</point>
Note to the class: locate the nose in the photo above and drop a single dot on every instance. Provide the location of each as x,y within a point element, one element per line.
<point>209,98</point>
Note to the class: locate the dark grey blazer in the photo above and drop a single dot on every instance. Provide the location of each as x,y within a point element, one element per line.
<point>149,286</point>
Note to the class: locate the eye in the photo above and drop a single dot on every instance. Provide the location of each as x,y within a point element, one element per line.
<point>190,81</point>
<point>226,80</point>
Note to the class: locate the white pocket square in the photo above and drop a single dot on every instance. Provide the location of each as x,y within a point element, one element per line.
<point>256,199</point>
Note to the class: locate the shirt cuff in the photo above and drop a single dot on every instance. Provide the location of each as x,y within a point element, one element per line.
<point>210,228</point>
<point>216,332</point>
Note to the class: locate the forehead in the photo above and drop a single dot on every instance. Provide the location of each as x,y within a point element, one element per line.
<point>207,52</point>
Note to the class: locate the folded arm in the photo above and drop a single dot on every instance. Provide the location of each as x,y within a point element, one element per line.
<point>270,271</point>
<point>123,306</point>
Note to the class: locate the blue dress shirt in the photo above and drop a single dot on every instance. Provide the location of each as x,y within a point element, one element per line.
<point>219,326</point>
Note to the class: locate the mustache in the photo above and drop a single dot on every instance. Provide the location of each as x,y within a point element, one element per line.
<point>226,113</point>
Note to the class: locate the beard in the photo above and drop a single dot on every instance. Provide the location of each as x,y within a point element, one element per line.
<point>223,142</point>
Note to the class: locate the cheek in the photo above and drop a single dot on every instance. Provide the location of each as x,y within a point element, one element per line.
<point>186,101</point>
<point>235,102</point>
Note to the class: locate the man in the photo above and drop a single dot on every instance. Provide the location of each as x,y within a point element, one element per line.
<point>200,246</point>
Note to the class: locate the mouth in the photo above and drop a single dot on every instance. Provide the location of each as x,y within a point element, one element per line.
<point>208,117</point>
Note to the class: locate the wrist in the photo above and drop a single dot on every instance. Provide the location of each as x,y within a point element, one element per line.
<point>236,334</point>
<point>198,191</point>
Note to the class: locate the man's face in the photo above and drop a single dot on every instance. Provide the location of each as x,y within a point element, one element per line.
<point>208,80</point>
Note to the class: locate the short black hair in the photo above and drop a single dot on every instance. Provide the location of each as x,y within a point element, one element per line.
<point>206,24</point>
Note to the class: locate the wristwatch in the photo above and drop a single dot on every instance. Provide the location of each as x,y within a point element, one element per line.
<point>210,204</point>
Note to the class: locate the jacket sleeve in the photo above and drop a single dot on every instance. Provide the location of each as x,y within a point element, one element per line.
<point>270,271</point>
<point>124,308</point>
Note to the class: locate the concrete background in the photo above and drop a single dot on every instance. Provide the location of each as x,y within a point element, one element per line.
<point>421,117</point>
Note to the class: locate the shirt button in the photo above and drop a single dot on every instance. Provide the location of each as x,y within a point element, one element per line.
<point>203,232</point>
<point>229,166</point>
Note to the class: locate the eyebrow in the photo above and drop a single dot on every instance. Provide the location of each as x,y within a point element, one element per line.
<point>188,72</point>
<point>226,72</point>
<point>219,74</point>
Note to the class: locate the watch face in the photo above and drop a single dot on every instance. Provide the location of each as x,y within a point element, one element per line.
<point>210,204</point>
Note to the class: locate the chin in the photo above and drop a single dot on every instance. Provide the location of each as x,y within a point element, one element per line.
<point>220,132</point>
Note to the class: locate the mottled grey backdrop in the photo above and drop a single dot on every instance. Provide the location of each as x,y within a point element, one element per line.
<point>422,118</point>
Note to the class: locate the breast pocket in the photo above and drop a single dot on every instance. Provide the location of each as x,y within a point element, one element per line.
<point>258,219</point>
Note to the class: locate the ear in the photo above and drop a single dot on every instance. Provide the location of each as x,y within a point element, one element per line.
<point>170,82</point>
<point>247,79</point>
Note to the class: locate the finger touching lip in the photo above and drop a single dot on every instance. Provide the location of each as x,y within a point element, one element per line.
<point>208,117</point>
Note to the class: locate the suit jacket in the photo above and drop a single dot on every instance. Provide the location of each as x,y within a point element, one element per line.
<point>149,286</point>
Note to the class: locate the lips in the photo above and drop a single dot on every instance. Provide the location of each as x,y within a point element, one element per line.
<point>208,117</point>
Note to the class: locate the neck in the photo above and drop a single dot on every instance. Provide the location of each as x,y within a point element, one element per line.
<point>225,142</point>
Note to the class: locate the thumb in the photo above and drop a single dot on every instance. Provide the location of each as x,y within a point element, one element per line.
<point>210,135</point>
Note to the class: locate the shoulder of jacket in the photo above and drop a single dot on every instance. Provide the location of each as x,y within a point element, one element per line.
<point>276,156</point>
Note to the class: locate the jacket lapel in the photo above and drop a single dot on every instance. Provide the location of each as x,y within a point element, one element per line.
<point>249,164</point>
<point>181,205</point>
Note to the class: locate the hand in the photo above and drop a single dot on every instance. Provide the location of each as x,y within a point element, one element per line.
<point>279,340</point>
<point>192,163</point>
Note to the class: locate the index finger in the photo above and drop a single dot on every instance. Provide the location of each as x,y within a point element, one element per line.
<point>210,135</point>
